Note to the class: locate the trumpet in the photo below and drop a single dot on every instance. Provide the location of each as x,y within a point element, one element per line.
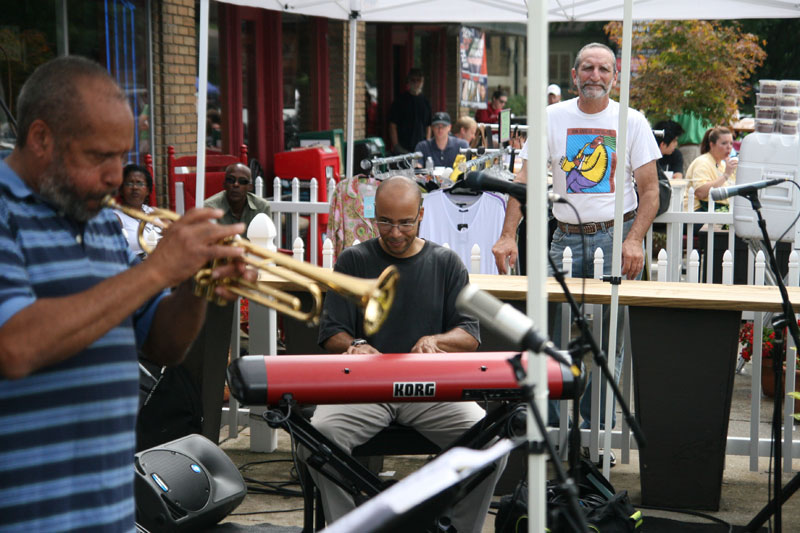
<point>374,296</point>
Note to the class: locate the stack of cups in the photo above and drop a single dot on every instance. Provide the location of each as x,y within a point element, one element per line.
<point>778,107</point>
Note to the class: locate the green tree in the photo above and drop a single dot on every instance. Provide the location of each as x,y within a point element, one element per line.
<point>690,66</point>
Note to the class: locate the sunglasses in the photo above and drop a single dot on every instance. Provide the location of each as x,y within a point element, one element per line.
<point>230,180</point>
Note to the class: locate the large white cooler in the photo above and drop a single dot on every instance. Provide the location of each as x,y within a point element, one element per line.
<point>765,156</point>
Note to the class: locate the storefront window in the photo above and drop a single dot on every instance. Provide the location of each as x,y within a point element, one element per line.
<point>113,33</point>
<point>27,39</point>
<point>297,103</point>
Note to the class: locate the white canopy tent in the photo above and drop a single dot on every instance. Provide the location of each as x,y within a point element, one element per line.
<point>536,15</point>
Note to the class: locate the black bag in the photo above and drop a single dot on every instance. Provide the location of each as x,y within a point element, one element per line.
<point>664,192</point>
<point>168,405</point>
<point>604,510</point>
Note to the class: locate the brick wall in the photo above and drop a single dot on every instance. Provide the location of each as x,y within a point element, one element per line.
<point>174,71</point>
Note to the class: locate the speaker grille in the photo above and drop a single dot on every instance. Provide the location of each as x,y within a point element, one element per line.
<point>181,482</point>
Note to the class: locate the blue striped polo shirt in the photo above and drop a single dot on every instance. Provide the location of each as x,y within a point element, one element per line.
<point>67,431</point>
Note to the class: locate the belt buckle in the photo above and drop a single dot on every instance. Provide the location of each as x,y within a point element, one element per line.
<point>591,228</point>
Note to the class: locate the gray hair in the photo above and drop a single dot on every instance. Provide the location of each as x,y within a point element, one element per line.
<point>595,45</point>
<point>52,94</point>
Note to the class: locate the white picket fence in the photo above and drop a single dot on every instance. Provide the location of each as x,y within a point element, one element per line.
<point>673,264</point>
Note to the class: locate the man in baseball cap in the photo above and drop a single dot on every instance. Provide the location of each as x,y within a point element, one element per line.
<point>553,94</point>
<point>442,148</point>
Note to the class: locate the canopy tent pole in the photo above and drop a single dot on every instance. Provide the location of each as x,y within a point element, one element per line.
<point>202,90</point>
<point>616,259</point>
<point>536,247</point>
<point>355,6</point>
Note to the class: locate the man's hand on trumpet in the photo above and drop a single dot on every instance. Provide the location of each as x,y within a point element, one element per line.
<point>194,241</point>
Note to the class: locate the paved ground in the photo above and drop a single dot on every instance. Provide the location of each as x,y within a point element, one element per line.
<point>744,492</point>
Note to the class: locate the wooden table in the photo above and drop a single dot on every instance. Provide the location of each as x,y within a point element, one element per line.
<point>684,343</point>
<point>631,293</point>
<point>646,293</point>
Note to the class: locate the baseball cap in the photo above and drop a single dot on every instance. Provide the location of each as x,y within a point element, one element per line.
<point>554,89</point>
<point>441,118</point>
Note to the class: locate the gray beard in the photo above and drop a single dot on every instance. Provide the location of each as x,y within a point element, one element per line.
<point>56,188</point>
<point>593,93</point>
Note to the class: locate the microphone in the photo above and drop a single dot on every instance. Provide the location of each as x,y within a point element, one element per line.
<point>479,181</point>
<point>509,323</point>
<point>720,193</point>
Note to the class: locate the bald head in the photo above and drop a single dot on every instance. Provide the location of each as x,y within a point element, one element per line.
<point>399,187</point>
<point>57,93</point>
<point>238,169</point>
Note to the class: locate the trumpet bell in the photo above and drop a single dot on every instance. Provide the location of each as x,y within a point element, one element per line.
<point>378,302</point>
<point>375,296</point>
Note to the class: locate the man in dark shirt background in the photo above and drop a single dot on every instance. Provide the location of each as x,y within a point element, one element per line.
<point>671,158</point>
<point>410,115</point>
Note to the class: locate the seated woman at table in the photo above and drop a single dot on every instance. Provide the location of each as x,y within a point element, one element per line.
<point>714,167</point>
<point>137,183</point>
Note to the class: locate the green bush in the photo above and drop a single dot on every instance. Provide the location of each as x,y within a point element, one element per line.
<point>518,104</point>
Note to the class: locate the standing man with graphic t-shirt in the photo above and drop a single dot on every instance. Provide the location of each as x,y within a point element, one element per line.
<point>581,141</point>
<point>410,116</point>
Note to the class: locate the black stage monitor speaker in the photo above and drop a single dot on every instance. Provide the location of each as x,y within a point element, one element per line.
<point>185,485</point>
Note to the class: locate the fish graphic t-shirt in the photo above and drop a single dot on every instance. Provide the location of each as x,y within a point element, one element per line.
<point>582,149</point>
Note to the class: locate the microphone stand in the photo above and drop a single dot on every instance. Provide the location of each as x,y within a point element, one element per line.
<point>584,341</point>
<point>781,493</point>
<point>577,521</point>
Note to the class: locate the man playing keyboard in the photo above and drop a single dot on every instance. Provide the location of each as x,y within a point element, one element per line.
<point>423,319</point>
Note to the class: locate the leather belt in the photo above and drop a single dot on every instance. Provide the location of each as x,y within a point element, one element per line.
<point>591,228</point>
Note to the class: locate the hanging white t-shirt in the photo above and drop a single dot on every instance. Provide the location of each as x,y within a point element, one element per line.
<point>582,150</point>
<point>461,226</point>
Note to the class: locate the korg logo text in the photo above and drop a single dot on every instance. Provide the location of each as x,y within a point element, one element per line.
<point>413,389</point>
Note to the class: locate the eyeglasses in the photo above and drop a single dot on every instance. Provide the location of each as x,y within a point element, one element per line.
<point>503,101</point>
<point>405,227</point>
<point>230,180</point>
<point>135,184</point>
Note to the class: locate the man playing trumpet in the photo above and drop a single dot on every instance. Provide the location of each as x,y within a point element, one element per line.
<point>76,306</point>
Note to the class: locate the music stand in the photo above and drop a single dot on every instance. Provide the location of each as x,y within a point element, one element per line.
<point>420,497</point>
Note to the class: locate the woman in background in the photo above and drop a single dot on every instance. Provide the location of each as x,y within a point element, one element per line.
<point>137,184</point>
<point>714,167</point>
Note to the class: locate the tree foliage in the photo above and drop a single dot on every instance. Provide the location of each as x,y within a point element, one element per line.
<point>690,66</point>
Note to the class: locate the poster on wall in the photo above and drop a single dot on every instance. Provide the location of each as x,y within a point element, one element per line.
<point>474,75</point>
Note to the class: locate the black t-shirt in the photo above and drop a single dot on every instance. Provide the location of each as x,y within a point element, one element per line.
<point>412,115</point>
<point>424,304</point>
<point>672,162</point>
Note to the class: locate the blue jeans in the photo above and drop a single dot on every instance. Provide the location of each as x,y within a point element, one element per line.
<point>603,239</point>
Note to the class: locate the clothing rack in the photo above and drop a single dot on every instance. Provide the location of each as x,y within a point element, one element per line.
<point>494,155</point>
<point>407,159</point>
<point>495,127</point>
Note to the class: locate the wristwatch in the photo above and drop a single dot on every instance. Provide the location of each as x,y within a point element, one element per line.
<point>357,342</point>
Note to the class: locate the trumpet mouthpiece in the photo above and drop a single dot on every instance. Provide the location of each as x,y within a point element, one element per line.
<point>109,201</point>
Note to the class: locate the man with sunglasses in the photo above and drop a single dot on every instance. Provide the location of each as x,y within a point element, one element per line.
<point>423,319</point>
<point>236,200</point>
<point>203,362</point>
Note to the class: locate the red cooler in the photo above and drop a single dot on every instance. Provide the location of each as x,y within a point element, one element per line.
<point>320,162</point>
